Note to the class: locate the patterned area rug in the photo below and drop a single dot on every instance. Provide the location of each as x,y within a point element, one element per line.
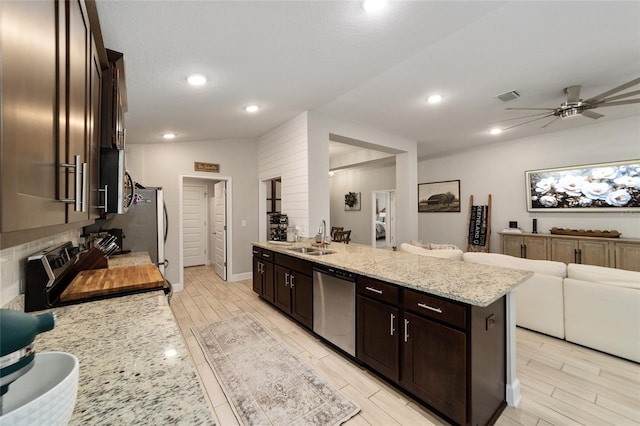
<point>265,383</point>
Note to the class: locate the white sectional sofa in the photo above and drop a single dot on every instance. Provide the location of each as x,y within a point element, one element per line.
<point>592,306</point>
<point>540,299</point>
<point>602,309</point>
<point>424,250</point>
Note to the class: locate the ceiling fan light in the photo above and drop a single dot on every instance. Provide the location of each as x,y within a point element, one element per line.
<point>571,112</point>
<point>495,131</point>
<point>251,108</point>
<point>169,135</point>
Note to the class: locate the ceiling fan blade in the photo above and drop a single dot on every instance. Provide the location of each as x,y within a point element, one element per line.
<point>573,93</point>
<point>524,116</point>
<point>552,121</point>
<point>527,122</point>
<point>615,98</point>
<point>591,114</point>
<point>533,109</point>
<point>614,90</point>
<point>606,104</point>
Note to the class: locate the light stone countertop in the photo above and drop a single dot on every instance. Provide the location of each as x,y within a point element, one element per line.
<point>470,283</point>
<point>130,259</point>
<point>127,373</point>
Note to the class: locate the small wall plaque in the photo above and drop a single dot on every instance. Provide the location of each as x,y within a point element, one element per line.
<point>206,167</point>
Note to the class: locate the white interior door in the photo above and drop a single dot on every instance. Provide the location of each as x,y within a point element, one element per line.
<point>220,227</point>
<point>194,224</point>
<point>212,227</point>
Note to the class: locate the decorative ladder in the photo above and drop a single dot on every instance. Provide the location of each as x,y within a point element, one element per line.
<point>479,227</point>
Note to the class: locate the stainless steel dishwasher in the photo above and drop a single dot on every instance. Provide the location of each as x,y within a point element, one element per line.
<point>334,307</point>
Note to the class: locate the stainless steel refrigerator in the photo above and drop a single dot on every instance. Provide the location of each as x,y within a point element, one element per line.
<point>144,226</point>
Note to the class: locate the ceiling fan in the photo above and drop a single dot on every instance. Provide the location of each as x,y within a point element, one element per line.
<point>575,106</point>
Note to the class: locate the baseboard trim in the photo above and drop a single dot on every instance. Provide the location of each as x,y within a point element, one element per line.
<point>240,277</point>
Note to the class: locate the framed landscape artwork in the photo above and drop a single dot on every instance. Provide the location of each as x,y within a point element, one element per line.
<point>605,187</point>
<point>435,197</point>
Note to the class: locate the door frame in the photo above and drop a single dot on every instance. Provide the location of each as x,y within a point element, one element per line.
<point>391,217</point>
<point>229,204</point>
<point>206,244</point>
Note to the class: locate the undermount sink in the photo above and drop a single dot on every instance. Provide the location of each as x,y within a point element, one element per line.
<point>304,250</point>
<point>313,251</point>
<point>46,394</point>
<point>320,252</point>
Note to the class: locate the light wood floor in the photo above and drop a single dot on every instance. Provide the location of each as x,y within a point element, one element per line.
<point>562,383</point>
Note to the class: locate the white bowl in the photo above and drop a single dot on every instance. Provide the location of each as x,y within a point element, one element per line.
<point>46,394</point>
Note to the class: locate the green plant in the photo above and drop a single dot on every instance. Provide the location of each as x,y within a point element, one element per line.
<point>351,199</point>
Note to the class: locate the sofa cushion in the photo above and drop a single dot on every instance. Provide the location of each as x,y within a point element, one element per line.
<point>419,244</point>
<point>547,267</point>
<point>441,254</point>
<point>603,317</point>
<point>611,276</point>
<point>434,246</point>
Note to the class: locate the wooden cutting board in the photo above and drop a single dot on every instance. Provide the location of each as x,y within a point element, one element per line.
<point>103,282</point>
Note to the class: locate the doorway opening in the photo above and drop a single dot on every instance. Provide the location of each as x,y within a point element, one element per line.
<point>205,205</point>
<point>383,219</point>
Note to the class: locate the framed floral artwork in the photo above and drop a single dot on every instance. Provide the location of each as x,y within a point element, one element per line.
<point>595,187</point>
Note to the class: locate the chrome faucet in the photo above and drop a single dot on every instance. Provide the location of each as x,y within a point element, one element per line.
<point>323,231</point>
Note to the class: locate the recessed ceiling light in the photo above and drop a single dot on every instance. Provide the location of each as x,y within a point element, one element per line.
<point>252,108</point>
<point>169,135</point>
<point>495,131</point>
<point>374,5</point>
<point>434,99</point>
<point>196,79</point>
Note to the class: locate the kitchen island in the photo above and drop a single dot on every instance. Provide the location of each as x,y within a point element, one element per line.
<point>443,330</point>
<point>475,284</point>
<point>134,365</point>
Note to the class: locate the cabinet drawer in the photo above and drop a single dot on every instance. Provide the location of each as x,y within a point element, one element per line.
<point>299,265</point>
<point>257,251</point>
<point>436,307</point>
<point>267,255</point>
<point>378,290</point>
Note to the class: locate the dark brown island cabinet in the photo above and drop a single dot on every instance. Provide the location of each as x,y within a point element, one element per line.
<point>447,354</point>
<point>294,287</point>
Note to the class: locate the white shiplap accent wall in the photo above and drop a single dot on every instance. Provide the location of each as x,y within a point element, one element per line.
<point>283,152</point>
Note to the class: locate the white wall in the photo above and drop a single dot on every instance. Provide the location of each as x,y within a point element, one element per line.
<point>499,169</point>
<point>283,152</point>
<point>163,164</point>
<point>406,169</point>
<point>364,179</point>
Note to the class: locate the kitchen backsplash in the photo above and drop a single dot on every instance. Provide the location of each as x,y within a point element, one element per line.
<point>13,265</point>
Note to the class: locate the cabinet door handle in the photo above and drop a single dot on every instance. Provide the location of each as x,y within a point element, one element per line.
<point>292,280</point>
<point>104,206</point>
<point>431,308</point>
<point>392,329</point>
<point>578,255</point>
<point>286,279</point>
<point>76,166</point>
<point>375,290</point>
<point>261,267</point>
<point>84,187</point>
<point>406,330</point>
